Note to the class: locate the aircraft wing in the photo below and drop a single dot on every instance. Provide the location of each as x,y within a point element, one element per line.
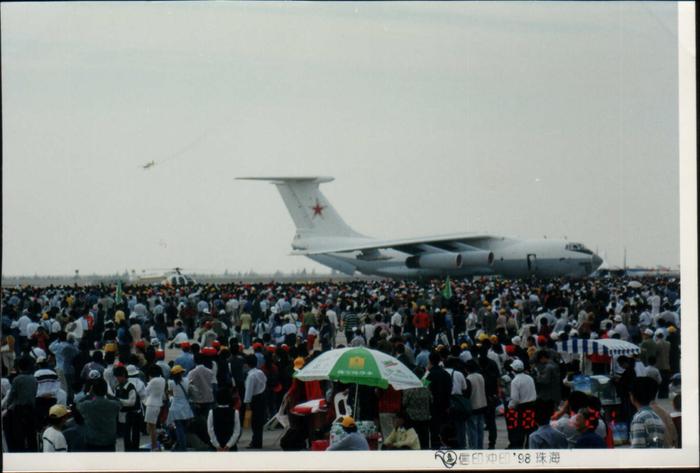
<point>454,243</point>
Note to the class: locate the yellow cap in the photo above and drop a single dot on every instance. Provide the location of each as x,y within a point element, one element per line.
<point>177,369</point>
<point>298,363</point>
<point>347,421</point>
<point>58,411</point>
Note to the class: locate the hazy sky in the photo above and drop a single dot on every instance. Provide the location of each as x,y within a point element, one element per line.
<point>519,119</point>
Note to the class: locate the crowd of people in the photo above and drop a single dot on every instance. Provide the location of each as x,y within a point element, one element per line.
<point>192,367</point>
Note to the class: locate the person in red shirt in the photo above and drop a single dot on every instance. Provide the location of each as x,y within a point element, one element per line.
<point>389,406</point>
<point>422,322</point>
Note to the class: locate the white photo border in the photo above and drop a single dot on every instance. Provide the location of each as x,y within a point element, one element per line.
<point>688,456</point>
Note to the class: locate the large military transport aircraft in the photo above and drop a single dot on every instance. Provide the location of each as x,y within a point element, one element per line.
<point>323,236</point>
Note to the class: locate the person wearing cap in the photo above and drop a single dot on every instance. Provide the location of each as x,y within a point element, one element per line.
<point>620,328</point>
<point>186,358</point>
<point>201,379</point>
<point>52,440</point>
<point>130,415</point>
<point>180,411</point>
<point>100,415</point>
<point>353,440</point>
<point>401,438</point>
<point>254,399</point>
<point>162,364</point>
<point>523,394</point>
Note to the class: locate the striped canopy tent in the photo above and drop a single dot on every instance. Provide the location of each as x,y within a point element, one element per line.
<point>605,346</point>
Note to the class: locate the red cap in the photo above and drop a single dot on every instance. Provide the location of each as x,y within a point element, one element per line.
<point>271,348</point>
<point>541,340</point>
<point>140,344</point>
<point>208,351</point>
<point>160,354</point>
<point>185,344</point>
<point>510,349</point>
<point>216,344</point>
<point>257,345</point>
<point>285,347</point>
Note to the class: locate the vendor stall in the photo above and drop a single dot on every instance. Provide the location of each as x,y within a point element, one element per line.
<point>359,366</point>
<point>602,386</point>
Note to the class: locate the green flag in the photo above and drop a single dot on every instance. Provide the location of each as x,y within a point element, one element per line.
<point>447,289</point>
<point>118,295</point>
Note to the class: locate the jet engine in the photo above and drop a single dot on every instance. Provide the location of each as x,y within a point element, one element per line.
<point>476,258</point>
<point>435,261</point>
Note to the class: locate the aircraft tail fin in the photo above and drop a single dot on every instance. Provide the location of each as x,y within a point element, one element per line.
<point>312,213</point>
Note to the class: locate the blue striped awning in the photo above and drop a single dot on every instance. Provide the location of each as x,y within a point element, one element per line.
<point>606,346</point>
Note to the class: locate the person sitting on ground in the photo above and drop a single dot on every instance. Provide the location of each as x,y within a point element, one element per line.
<point>401,438</point>
<point>353,440</point>
<point>52,439</point>
<point>223,423</point>
<point>546,437</point>
<point>566,417</point>
<point>586,423</point>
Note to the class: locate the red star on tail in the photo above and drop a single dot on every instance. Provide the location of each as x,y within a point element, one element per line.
<point>318,209</point>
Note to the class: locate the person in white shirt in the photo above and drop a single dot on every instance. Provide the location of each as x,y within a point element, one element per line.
<point>254,399</point>
<point>475,422</point>
<point>651,371</point>
<point>620,328</point>
<point>52,439</point>
<point>22,324</point>
<point>155,394</point>
<point>332,317</point>
<point>523,394</point>
<point>396,323</point>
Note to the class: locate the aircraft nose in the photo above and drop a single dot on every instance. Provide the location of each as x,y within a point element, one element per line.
<point>597,261</point>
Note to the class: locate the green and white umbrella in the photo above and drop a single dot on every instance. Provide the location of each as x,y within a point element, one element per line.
<point>360,365</point>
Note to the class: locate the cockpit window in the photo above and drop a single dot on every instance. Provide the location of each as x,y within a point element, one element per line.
<point>578,247</point>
